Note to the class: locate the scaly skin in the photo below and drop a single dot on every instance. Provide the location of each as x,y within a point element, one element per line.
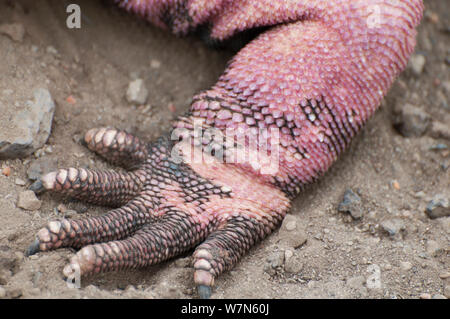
<point>301,90</point>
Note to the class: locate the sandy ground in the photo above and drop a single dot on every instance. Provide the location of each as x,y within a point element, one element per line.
<point>342,258</point>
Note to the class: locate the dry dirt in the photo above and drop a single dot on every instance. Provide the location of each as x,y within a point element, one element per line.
<point>395,176</point>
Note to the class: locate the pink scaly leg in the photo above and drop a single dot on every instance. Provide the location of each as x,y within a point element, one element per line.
<point>299,91</point>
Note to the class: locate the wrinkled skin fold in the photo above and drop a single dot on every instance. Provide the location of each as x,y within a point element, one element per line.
<point>301,90</point>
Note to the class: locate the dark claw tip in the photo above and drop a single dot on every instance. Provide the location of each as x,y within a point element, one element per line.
<point>32,249</point>
<point>37,187</point>
<point>204,292</point>
<point>83,142</point>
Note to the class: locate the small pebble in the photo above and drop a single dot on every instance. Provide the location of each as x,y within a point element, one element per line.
<point>395,185</point>
<point>425,296</point>
<point>438,207</point>
<point>295,239</point>
<point>137,93</point>
<point>293,265</point>
<point>291,225</point>
<point>71,100</point>
<point>438,296</point>
<point>171,107</point>
<point>351,204</point>
<point>406,266</point>
<point>276,259</point>
<point>155,64</point>
<point>419,195</point>
<point>20,182</point>
<point>28,200</point>
<point>15,293</point>
<point>6,171</point>
<point>35,291</point>
<point>440,130</point>
<point>51,49</point>
<point>3,278</point>
<point>288,254</point>
<point>417,63</point>
<point>447,291</point>
<point>438,147</point>
<point>356,282</point>
<point>393,226</point>
<point>433,17</point>
<point>433,248</point>
<point>444,275</point>
<point>30,127</point>
<point>411,121</point>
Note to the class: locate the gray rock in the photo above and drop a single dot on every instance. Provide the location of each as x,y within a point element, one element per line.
<point>2,293</point>
<point>438,207</point>
<point>351,204</point>
<point>411,121</point>
<point>393,226</point>
<point>137,93</point>
<point>28,200</point>
<point>30,128</point>
<point>41,166</point>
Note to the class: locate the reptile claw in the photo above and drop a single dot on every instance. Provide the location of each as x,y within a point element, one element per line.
<point>300,92</point>
<point>32,249</point>
<point>37,187</point>
<point>204,292</point>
